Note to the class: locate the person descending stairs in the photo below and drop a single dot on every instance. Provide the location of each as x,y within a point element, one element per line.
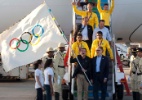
<point>109,94</point>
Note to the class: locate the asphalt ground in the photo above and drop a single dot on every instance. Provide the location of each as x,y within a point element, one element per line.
<point>17,90</point>
<point>127,97</point>
<point>24,90</point>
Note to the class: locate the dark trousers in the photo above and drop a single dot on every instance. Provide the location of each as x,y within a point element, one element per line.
<point>48,92</point>
<point>65,94</point>
<point>136,95</point>
<point>88,43</point>
<point>39,94</point>
<point>99,85</point>
<point>57,96</point>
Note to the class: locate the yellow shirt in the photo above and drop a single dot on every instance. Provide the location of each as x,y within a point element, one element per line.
<point>77,45</point>
<point>93,21</point>
<point>105,14</point>
<point>103,43</point>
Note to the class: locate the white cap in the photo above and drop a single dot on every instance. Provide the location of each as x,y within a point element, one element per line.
<point>61,45</point>
<point>49,49</point>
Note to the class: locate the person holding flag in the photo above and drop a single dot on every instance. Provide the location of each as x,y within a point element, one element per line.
<point>82,82</point>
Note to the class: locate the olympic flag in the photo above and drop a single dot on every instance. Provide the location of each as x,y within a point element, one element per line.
<point>28,40</point>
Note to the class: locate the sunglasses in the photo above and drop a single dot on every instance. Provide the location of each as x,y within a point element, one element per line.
<point>98,50</point>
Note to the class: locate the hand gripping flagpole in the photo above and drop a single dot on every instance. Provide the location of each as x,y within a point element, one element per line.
<point>68,43</point>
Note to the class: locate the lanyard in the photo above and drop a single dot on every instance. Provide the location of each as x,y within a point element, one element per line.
<point>89,16</point>
<point>79,46</point>
<point>82,28</point>
<point>100,42</point>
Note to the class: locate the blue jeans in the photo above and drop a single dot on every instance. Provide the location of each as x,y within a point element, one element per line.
<point>48,92</point>
<point>39,94</point>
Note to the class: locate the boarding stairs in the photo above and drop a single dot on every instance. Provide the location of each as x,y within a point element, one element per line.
<point>109,95</point>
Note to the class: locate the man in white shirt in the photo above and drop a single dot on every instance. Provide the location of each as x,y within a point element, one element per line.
<point>86,31</point>
<point>104,30</point>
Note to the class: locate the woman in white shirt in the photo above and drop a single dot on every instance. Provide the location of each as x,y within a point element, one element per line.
<point>49,75</point>
<point>39,78</point>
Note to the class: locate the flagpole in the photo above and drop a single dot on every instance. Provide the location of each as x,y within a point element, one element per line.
<point>62,32</point>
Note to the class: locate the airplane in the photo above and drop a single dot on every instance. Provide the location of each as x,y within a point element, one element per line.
<point>126,17</point>
<point>126,21</point>
<point>13,11</point>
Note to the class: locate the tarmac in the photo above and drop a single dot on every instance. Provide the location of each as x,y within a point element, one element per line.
<point>24,90</point>
<point>127,97</point>
<point>17,90</point>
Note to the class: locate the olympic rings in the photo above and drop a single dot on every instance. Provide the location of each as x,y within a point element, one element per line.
<point>30,39</point>
<point>25,42</point>
<point>34,29</point>
<point>38,40</point>
<point>38,36</point>
<point>17,45</point>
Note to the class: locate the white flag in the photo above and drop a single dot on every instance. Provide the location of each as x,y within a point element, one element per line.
<point>28,40</point>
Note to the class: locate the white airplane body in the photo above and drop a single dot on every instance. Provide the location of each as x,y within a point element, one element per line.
<point>12,11</point>
<point>127,21</point>
<point>126,18</point>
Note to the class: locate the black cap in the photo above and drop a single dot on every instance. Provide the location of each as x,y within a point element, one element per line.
<point>139,50</point>
<point>134,50</point>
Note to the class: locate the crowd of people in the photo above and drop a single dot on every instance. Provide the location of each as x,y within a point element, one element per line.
<point>92,42</point>
<point>91,53</point>
<point>54,71</point>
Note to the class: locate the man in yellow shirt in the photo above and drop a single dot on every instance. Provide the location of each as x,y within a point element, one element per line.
<point>92,17</point>
<point>105,13</point>
<point>78,45</point>
<point>103,43</point>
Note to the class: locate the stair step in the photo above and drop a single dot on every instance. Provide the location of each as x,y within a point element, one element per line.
<point>110,76</point>
<point>91,98</point>
<point>90,94</point>
<point>109,83</point>
<point>109,88</point>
